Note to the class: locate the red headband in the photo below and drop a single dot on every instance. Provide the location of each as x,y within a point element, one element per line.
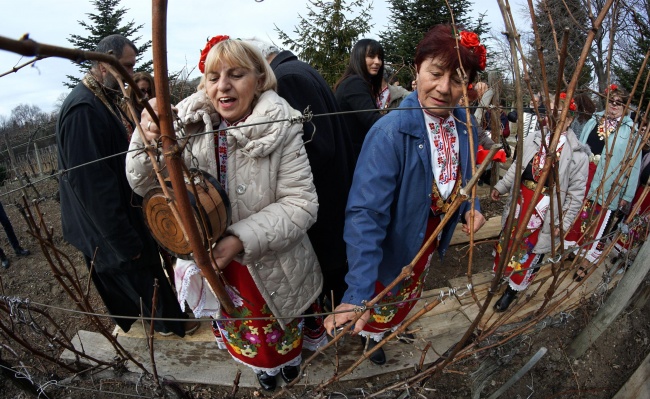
<point>206,49</point>
<point>470,40</point>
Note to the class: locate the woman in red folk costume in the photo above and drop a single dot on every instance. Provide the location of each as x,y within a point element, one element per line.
<point>411,167</point>
<point>268,264</point>
<point>637,231</point>
<point>609,136</point>
<point>572,159</point>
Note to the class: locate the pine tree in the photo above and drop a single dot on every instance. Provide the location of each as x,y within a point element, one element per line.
<point>107,21</point>
<point>411,19</point>
<point>326,36</point>
<point>554,15</point>
<point>628,66</point>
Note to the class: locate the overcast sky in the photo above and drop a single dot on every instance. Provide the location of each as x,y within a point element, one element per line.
<point>190,23</point>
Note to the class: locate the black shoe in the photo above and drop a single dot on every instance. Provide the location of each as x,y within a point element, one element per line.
<point>267,382</point>
<point>22,251</point>
<point>5,263</point>
<point>378,357</point>
<point>289,373</point>
<point>504,302</point>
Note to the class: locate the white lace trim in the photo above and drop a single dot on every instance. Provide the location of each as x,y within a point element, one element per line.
<point>193,289</point>
<point>593,254</point>
<point>528,278</point>
<point>314,344</point>
<point>379,336</point>
<point>296,361</point>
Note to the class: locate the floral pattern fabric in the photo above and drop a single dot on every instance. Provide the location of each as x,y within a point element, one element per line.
<point>392,309</point>
<point>639,226</point>
<point>251,334</point>
<point>575,236</point>
<point>520,270</point>
<point>592,213</point>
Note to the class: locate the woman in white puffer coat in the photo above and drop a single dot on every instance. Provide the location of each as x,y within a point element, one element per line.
<point>572,159</point>
<point>265,255</point>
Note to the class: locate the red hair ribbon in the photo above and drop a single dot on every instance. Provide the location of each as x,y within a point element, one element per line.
<point>206,49</point>
<point>471,41</point>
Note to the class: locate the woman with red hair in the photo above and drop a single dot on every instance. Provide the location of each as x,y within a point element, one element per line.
<point>411,167</point>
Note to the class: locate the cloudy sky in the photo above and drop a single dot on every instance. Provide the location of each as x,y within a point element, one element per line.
<point>190,23</point>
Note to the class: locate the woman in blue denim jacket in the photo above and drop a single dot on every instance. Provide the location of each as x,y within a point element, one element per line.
<point>412,165</point>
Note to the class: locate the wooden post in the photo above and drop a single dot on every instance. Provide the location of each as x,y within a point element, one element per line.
<point>14,165</point>
<point>616,303</point>
<point>638,386</point>
<point>38,160</point>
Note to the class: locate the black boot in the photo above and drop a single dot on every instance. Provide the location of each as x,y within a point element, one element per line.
<point>20,251</point>
<point>504,302</point>
<point>266,381</point>
<point>289,373</point>
<point>378,357</point>
<point>4,260</point>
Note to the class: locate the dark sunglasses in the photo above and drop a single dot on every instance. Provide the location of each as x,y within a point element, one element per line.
<point>616,103</point>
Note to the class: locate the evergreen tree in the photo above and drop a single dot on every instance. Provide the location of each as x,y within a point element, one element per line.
<point>107,21</point>
<point>556,15</point>
<point>326,36</point>
<point>410,19</point>
<point>628,66</point>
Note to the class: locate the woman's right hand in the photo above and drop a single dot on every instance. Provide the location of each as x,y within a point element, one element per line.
<point>226,250</point>
<point>495,194</point>
<point>149,127</point>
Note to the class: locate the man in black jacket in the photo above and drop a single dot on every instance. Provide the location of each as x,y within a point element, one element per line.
<point>329,150</point>
<point>99,212</point>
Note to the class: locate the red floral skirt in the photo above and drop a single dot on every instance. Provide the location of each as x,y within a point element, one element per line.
<point>574,235</point>
<point>387,315</point>
<point>590,213</point>
<point>638,228</point>
<point>521,268</point>
<point>261,344</point>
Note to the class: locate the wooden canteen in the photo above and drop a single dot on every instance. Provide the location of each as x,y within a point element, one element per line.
<point>211,211</point>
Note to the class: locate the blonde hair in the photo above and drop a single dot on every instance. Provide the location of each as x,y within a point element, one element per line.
<point>241,54</point>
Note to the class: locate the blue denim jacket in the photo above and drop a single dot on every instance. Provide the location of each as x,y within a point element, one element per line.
<point>620,155</point>
<point>389,202</point>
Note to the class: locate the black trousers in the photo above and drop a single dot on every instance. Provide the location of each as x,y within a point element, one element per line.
<point>123,291</point>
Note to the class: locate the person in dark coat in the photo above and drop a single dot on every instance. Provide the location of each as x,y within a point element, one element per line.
<point>13,240</point>
<point>100,215</point>
<point>329,149</point>
<point>359,88</point>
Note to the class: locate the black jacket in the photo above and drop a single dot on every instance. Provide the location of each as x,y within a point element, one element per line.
<point>329,151</point>
<point>98,209</point>
<point>354,94</point>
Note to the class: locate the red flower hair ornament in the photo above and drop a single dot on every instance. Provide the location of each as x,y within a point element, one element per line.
<point>572,104</point>
<point>471,41</point>
<point>206,49</point>
<point>611,87</point>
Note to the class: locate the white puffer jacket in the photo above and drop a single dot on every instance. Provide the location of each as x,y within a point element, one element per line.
<point>271,192</point>
<point>573,171</point>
